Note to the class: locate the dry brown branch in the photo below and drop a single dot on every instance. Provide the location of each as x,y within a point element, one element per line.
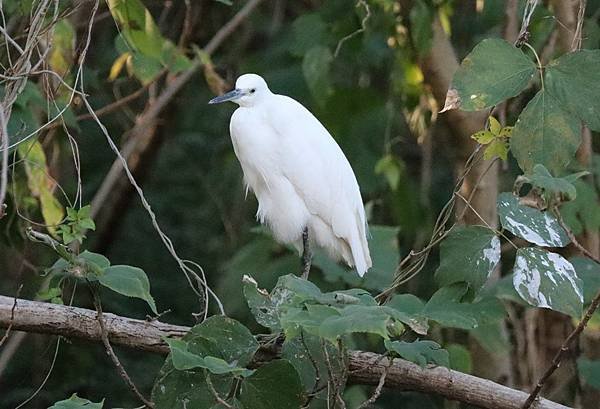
<point>111,353</point>
<point>364,368</point>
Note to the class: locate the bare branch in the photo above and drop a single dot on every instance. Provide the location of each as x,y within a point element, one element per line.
<point>111,353</point>
<point>364,368</point>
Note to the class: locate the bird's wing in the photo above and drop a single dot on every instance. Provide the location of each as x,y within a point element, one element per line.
<point>318,169</point>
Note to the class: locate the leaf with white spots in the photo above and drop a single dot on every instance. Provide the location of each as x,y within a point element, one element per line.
<point>494,71</point>
<point>536,227</point>
<point>469,254</point>
<point>547,280</point>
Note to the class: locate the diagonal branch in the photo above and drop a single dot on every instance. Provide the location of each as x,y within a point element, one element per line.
<point>365,368</point>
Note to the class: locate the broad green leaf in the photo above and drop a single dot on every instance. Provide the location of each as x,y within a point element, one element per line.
<point>468,254</point>
<point>309,319</point>
<point>144,68</point>
<point>419,352</point>
<point>546,134</point>
<point>175,389</point>
<point>589,273</point>
<point>553,187</point>
<point>291,289</point>
<point>98,261</point>
<point>137,26</point>
<point>494,71</point>
<point>260,304</point>
<point>589,370</point>
<point>75,402</point>
<point>536,227</point>
<point>315,67</point>
<point>356,318</point>
<point>223,337</point>
<point>408,309</point>
<point>547,280</point>
<point>574,79</point>
<point>446,308</point>
<point>183,359</point>
<point>129,281</point>
<point>275,385</point>
<point>497,148</point>
<point>299,350</point>
<point>460,358</point>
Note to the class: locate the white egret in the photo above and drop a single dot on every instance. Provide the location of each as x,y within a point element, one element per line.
<point>305,187</point>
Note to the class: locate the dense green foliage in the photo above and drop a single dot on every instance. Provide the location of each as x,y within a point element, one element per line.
<point>358,67</point>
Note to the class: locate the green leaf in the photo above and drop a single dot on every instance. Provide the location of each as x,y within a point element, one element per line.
<point>75,402</point>
<point>315,67</point>
<point>183,359</point>
<point>356,318</point>
<point>589,273</point>
<point>421,20</point>
<point>497,148</point>
<point>309,319</point>
<point>137,26</point>
<point>446,308</point>
<point>299,350</point>
<point>275,385</point>
<point>494,71</point>
<point>129,281</point>
<point>260,304</point>
<point>468,254</point>
<point>49,294</point>
<point>408,309</point>
<point>536,227</point>
<point>545,134</point>
<point>419,352</point>
<point>552,187</point>
<point>145,68</point>
<point>223,337</point>
<point>574,79</point>
<point>187,389</point>
<point>484,137</point>
<point>460,358</point>
<point>589,371</point>
<point>547,280</point>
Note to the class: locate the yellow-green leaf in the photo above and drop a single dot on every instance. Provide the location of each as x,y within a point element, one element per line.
<point>40,184</point>
<point>118,65</point>
<point>495,126</point>
<point>497,147</point>
<point>483,137</point>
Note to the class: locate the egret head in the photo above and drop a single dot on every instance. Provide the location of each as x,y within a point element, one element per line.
<point>249,90</point>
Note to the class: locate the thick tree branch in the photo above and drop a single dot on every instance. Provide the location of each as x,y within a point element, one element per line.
<point>364,368</point>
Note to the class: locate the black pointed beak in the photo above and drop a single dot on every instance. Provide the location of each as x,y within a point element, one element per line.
<point>229,96</point>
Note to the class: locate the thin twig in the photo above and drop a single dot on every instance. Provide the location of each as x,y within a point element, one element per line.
<point>215,394</point>
<point>363,27</point>
<point>111,352</point>
<point>4,171</point>
<point>379,387</point>
<point>562,351</point>
<point>573,238</point>
<point>12,317</point>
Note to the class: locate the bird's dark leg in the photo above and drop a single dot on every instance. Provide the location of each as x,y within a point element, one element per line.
<point>306,254</point>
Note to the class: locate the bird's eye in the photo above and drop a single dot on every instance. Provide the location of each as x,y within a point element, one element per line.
<point>253,90</point>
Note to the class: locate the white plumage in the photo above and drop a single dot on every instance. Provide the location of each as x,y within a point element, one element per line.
<point>298,173</point>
